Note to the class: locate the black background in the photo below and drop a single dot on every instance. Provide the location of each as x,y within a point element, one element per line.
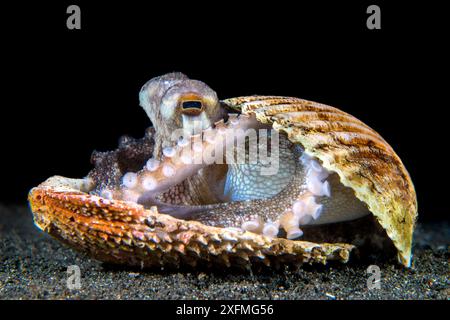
<point>68,92</point>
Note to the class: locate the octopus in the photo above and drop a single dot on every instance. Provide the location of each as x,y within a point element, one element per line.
<point>273,167</point>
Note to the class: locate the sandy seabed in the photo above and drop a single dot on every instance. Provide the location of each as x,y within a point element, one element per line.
<point>34,266</point>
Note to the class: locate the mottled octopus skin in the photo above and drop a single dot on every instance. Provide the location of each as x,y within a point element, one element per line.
<point>125,233</point>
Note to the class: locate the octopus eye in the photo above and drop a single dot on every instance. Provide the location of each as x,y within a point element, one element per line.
<point>192,107</point>
<point>192,104</point>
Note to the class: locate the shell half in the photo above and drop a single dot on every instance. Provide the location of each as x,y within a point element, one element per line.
<point>126,233</point>
<point>363,160</point>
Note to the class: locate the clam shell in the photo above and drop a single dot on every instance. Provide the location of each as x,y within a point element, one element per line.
<point>363,160</point>
<point>126,233</point>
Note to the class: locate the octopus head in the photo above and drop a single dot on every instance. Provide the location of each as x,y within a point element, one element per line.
<point>175,102</point>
